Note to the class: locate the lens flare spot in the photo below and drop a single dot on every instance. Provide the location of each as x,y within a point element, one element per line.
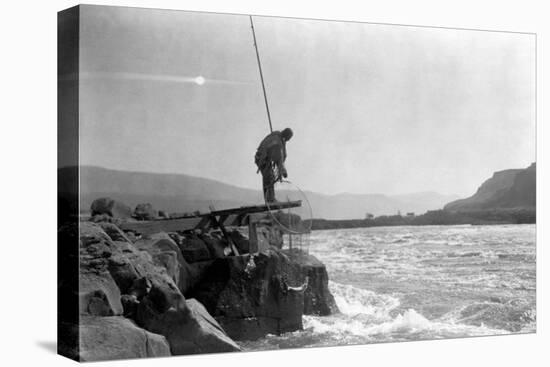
<point>200,80</point>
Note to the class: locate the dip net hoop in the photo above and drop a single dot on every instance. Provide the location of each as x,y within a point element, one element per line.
<point>303,226</point>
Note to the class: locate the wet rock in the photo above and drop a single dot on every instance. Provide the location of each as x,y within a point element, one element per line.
<point>110,207</point>
<point>145,212</point>
<point>108,338</point>
<point>252,296</point>
<point>317,298</point>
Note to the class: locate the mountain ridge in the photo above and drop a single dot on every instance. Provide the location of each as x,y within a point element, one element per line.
<point>186,193</point>
<point>506,189</point>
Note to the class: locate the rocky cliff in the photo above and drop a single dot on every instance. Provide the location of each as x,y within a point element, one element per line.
<point>182,293</point>
<point>513,188</point>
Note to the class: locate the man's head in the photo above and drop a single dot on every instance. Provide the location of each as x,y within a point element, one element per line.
<point>287,134</point>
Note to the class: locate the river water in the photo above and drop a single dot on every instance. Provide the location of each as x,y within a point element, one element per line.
<point>419,283</point>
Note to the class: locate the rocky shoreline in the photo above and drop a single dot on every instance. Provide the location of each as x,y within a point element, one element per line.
<point>181,293</point>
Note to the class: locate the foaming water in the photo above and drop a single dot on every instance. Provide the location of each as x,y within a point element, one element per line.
<point>418,283</point>
<point>354,301</point>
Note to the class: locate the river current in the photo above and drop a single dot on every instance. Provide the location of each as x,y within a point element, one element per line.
<point>419,283</point>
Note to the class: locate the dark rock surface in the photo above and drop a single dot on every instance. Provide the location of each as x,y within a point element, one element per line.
<point>253,295</point>
<point>196,272</point>
<point>193,248</point>
<point>216,246</point>
<point>317,298</point>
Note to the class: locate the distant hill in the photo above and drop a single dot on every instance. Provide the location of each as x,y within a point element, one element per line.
<point>183,193</point>
<point>512,188</point>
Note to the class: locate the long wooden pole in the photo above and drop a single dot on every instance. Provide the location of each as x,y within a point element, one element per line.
<point>261,74</point>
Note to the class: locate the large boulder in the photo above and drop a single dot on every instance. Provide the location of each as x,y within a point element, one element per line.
<point>190,329</point>
<point>317,298</point>
<point>145,212</point>
<point>136,274</point>
<point>111,207</point>
<point>165,253</point>
<point>107,338</point>
<point>253,295</point>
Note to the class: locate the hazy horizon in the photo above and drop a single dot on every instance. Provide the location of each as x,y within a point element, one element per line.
<point>374,108</point>
<point>259,188</point>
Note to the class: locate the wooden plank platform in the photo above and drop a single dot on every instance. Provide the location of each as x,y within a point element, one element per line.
<point>217,218</point>
<point>258,208</point>
<point>154,226</point>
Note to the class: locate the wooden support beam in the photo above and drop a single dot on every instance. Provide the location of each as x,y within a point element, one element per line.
<point>222,219</point>
<point>258,208</point>
<point>252,237</point>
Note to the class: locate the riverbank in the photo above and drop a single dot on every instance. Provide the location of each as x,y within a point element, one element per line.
<point>435,217</point>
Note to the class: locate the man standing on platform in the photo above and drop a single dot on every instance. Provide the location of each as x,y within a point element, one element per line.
<point>270,158</point>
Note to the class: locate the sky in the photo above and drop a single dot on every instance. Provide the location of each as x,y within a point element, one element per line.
<point>374,108</point>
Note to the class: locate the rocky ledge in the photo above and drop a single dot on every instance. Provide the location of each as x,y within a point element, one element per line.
<point>183,293</point>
